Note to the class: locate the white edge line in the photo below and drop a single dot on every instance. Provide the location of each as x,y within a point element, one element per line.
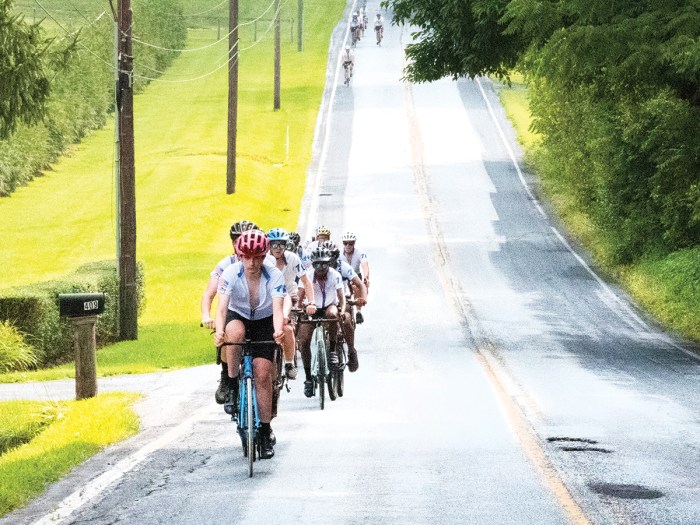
<point>663,337</point>
<point>95,487</point>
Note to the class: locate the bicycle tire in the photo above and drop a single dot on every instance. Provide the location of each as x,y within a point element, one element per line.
<point>250,425</point>
<point>332,385</point>
<point>322,368</point>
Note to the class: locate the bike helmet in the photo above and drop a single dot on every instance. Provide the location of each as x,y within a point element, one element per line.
<point>321,254</point>
<point>349,236</point>
<point>323,230</point>
<point>294,240</point>
<point>241,226</point>
<point>277,234</point>
<point>252,243</point>
<point>331,247</point>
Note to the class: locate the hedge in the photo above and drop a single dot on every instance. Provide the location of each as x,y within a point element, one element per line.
<point>33,310</point>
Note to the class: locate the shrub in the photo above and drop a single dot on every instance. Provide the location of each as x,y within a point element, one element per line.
<point>15,353</point>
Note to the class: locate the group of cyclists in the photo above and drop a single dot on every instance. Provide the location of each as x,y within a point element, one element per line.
<point>261,286</point>
<point>358,25</point>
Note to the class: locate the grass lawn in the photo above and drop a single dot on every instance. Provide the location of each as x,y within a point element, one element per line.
<point>67,217</point>
<point>668,286</point>
<point>55,437</point>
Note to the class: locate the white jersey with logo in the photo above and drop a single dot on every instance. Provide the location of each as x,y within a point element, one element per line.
<point>355,260</point>
<point>223,264</point>
<point>325,291</point>
<point>292,271</point>
<point>234,284</point>
<point>347,273</point>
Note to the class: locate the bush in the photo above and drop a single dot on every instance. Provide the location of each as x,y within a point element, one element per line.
<point>34,310</point>
<point>15,353</point>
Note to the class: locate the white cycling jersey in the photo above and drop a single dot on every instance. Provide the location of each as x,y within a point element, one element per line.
<point>292,271</point>
<point>356,259</point>
<point>223,264</point>
<point>234,284</point>
<point>325,291</point>
<point>347,273</point>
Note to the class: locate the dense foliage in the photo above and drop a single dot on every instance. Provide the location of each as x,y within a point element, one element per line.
<point>616,99</point>
<point>82,89</point>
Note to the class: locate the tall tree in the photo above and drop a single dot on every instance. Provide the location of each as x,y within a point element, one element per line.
<point>24,72</point>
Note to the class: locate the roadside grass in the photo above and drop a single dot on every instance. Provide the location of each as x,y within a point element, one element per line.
<point>58,436</point>
<point>66,218</point>
<point>668,286</point>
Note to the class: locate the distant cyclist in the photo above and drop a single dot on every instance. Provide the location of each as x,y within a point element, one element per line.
<point>293,270</point>
<point>355,27</point>
<point>251,297</point>
<point>294,245</point>
<point>379,28</point>
<point>330,300</point>
<point>348,58</point>
<point>356,258</point>
<point>322,234</point>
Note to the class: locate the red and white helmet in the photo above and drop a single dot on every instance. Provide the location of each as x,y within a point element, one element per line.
<point>252,243</point>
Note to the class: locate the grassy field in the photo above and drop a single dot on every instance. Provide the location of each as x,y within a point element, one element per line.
<point>667,286</point>
<point>46,440</point>
<point>67,217</point>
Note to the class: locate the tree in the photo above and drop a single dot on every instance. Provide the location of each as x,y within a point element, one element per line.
<point>24,71</point>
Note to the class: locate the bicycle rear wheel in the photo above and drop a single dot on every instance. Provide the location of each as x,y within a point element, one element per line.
<point>250,425</point>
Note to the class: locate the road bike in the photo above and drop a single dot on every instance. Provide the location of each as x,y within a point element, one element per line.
<point>322,375</point>
<point>379,31</point>
<point>245,411</point>
<point>355,32</point>
<point>348,72</point>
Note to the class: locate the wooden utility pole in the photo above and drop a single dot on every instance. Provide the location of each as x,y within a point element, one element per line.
<point>300,25</point>
<point>128,307</point>
<point>278,40</point>
<point>233,57</point>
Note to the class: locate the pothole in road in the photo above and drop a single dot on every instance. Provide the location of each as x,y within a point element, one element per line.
<point>625,491</point>
<point>571,444</point>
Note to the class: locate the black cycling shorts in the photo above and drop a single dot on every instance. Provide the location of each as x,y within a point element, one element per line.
<point>257,330</point>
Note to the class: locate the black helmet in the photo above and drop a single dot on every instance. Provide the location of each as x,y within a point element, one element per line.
<point>320,254</point>
<point>294,240</point>
<point>331,247</point>
<point>241,226</point>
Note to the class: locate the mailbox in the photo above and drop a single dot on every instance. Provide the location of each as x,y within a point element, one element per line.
<point>81,304</point>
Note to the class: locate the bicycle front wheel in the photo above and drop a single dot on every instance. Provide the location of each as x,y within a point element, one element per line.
<point>250,425</point>
<point>322,371</point>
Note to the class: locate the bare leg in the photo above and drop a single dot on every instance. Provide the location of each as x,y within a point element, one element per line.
<point>262,370</point>
<point>234,333</point>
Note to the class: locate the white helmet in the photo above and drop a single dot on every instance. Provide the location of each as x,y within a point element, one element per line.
<point>349,236</point>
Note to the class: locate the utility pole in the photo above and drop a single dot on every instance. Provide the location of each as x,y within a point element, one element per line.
<point>300,25</point>
<point>128,307</point>
<point>233,57</point>
<point>278,40</point>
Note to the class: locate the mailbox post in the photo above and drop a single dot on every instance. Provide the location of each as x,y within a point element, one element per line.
<point>82,309</point>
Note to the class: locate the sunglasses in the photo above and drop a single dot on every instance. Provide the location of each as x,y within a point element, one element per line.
<point>275,245</point>
<point>321,265</point>
<point>349,243</point>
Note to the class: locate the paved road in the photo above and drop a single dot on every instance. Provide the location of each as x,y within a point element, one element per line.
<point>500,381</point>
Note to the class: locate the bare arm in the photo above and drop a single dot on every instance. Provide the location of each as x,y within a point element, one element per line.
<point>278,318</point>
<point>360,291</point>
<point>220,321</point>
<point>207,300</point>
<point>311,308</point>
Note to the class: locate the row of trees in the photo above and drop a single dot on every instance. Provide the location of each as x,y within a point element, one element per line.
<point>55,88</point>
<point>615,97</point>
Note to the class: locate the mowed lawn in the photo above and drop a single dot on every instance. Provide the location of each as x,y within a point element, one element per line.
<point>67,217</point>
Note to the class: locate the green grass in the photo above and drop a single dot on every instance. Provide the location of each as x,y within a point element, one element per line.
<point>667,286</point>
<point>67,218</point>
<point>59,436</point>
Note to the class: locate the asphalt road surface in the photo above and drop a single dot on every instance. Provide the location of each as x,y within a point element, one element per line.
<point>501,381</point>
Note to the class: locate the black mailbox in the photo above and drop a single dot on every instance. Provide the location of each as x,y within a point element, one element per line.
<point>81,304</point>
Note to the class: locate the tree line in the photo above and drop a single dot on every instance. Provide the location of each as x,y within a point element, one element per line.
<point>56,87</point>
<point>615,97</point>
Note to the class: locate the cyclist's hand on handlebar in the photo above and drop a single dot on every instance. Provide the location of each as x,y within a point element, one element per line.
<point>311,309</point>
<point>208,322</point>
<point>218,338</point>
<point>360,302</point>
<point>278,336</point>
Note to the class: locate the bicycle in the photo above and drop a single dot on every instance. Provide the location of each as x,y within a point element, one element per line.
<point>245,411</point>
<point>348,72</point>
<point>320,370</point>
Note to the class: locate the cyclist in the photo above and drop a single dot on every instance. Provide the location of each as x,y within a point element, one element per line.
<point>351,281</point>
<point>294,246</point>
<point>208,296</point>
<point>251,297</point>
<point>292,269</point>
<point>355,27</point>
<point>379,28</point>
<point>356,258</point>
<point>330,300</point>
<point>323,234</point>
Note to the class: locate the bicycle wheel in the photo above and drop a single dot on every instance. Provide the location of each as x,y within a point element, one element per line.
<point>250,425</point>
<point>322,370</point>
<point>332,382</point>
<point>340,376</point>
